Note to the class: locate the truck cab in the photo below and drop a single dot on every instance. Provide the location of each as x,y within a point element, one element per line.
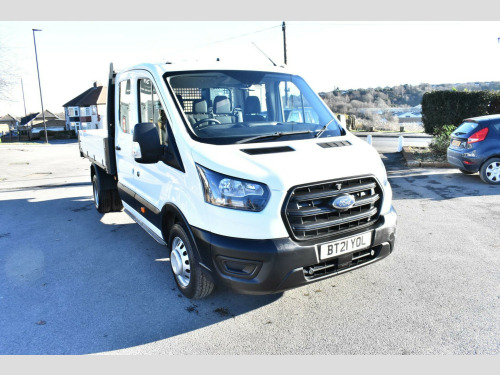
<point>244,174</point>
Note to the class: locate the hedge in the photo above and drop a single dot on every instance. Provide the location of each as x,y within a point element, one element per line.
<point>62,134</point>
<point>441,108</point>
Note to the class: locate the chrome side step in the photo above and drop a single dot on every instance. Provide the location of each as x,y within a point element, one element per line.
<point>145,227</point>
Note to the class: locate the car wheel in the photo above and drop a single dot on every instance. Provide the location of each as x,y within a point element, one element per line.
<point>189,276</point>
<point>102,198</point>
<point>490,171</point>
<point>466,172</point>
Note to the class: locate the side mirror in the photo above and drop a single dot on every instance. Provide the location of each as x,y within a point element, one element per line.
<point>147,148</point>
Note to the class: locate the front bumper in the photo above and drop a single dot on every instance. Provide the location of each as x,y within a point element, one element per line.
<point>274,265</point>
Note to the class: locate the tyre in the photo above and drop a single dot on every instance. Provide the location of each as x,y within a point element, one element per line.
<point>116,202</point>
<point>102,198</point>
<point>189,276</point>
<point>490,171</point>
<point>466,172</point>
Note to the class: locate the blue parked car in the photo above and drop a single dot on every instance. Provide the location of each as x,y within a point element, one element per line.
<point>475,147</point>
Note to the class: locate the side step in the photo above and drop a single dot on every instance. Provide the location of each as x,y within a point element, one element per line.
<point>145,227</point>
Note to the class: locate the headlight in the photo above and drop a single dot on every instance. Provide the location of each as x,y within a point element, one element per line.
<point>230,192</point>
<point>386,186</point>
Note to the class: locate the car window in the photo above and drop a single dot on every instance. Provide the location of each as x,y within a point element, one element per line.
<point>125,101</point>
<point>151,109</point>
<point>465,128</point>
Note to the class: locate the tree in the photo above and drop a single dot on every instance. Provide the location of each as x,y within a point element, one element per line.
<point>7,75</point>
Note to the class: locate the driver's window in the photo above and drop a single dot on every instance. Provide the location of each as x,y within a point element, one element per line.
<point>150,108</point>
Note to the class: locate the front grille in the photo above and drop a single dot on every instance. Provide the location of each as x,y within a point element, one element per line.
<point>310,215</point>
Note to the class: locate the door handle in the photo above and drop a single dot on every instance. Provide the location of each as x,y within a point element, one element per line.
<point>118,148</point>
<point>138,174</point>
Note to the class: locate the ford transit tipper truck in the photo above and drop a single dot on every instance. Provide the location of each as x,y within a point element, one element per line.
<point>244,174</point>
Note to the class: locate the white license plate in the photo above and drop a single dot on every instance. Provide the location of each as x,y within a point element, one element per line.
<point>345,245</point>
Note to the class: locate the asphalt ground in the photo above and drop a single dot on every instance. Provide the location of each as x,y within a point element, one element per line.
<point>73,281</point>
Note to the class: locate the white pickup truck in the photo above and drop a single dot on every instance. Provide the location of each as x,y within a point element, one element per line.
<point>245,175</point>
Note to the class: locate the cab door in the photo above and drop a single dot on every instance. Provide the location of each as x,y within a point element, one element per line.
<point>126,118</point>
<point>152,180</point>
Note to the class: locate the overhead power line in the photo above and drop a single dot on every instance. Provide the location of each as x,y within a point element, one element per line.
<point>227,39</point>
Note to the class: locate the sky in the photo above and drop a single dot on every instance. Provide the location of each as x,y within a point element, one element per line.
<point>328,54</point>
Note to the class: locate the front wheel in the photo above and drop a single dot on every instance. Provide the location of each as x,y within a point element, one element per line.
<point>490,171</point>
<point>188,274</point>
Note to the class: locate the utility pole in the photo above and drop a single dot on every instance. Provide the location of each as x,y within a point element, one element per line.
<point>24,101</point>
<point>283,27</point>
<point>40,86</point>
<point>25,115</point>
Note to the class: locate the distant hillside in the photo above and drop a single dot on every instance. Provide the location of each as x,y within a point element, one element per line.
<point>350,101</point>
<point>380,107</point>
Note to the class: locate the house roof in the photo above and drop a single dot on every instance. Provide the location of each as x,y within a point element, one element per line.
<point>26,119</point>
<point>93,96</point>
<point>37,115</point>
<point>8,118</point>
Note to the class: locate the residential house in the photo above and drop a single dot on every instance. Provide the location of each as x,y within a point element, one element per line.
<point>34,123</point>
<point>8,124</point>
<point>87,110</point>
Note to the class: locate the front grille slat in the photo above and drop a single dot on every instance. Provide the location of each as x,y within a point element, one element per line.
<point>309,213</point>
<point>331,193</point>
<point>331,223</point>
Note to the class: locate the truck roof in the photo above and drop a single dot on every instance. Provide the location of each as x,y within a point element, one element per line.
<point>162,68</point>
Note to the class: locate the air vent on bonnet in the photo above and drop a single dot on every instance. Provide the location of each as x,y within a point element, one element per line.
<point>334,144</point>
<point>267,150</point>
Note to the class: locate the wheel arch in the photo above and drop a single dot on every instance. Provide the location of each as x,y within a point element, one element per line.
<point>171,215</point>
<point>106,181</point>
<point>496,155</point>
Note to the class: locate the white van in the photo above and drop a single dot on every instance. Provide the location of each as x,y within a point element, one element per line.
<point>211,163</point>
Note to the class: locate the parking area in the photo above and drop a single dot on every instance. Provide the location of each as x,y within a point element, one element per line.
<point>73,281</point>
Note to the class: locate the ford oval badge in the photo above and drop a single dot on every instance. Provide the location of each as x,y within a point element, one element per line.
<point>343,202</point>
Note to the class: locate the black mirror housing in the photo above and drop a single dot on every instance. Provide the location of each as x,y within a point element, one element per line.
<point>146,135</point>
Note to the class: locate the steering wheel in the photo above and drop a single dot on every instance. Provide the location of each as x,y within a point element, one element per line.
<point>208,119</point>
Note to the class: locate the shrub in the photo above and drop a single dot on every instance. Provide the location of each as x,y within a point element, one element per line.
<point>441,108</point>
<point>441,141</point>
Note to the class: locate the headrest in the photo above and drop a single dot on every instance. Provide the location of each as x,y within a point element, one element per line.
<point>222,104</point>
<point>252,105</point>
<point>200,106</point>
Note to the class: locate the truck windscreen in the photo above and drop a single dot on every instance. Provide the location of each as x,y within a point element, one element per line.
<point>226,107</point>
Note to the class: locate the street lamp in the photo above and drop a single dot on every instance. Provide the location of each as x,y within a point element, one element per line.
<point>40,86</point>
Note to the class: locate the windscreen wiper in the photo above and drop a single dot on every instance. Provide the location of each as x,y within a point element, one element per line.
<point>273,135</point>
<point>322,130</point>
